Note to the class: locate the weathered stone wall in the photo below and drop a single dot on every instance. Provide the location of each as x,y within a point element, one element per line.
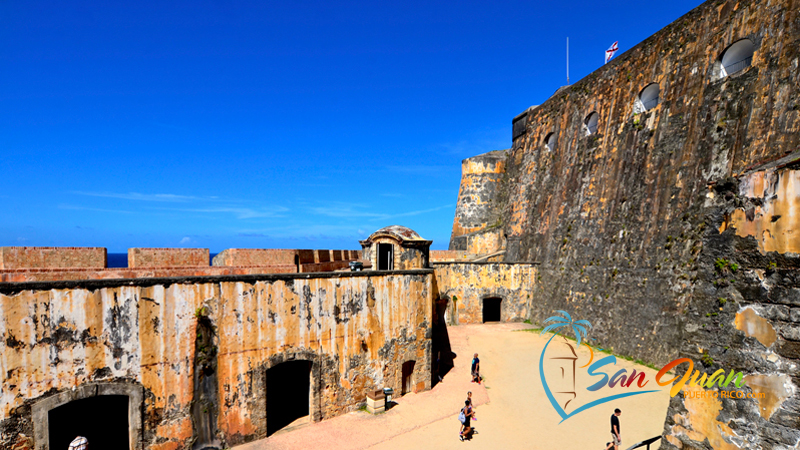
<point>656,228</point>
<point>356,328</point>
<point>477,209</point>
<point>52,257</point>
<point>463,286</point>
<point>449,256</point>
<point>167,257</point>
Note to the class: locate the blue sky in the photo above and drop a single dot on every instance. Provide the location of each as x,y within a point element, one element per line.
<point>271,124</point>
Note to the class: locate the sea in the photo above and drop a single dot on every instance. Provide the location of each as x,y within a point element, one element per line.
<point>120,260</point>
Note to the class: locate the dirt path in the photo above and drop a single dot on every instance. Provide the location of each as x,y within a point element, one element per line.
<point>512,408</point>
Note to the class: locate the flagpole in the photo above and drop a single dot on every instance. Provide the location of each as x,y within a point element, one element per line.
<point>567,60</point>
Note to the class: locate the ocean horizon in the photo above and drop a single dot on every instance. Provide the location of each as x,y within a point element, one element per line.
<point>120,260</point>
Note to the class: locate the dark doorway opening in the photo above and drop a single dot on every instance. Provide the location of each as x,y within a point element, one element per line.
<point>408,377</point>
<point>102,420</point>
<point>385,257</point>
<point>443,353</point>
<point>297,262</point>
<point>288,394</point>
<point>491,309</point>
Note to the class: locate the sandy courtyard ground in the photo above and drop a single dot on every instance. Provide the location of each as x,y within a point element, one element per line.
<point>512,408</point>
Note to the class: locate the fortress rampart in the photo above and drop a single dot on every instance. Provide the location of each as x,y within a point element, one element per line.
<point>658,196</point>
<point>21,264</point>
<point>188,354</point>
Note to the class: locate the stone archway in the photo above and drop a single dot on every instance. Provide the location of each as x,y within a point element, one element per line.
<point>109,415</point>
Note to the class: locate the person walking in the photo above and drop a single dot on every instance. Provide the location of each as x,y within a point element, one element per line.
<point>476,369</point>
<point>472,408</point>
<point>615,437</point>
<point>464,418</point>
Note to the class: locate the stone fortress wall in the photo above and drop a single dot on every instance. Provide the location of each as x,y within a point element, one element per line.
<point>73,330</point>
<point>138,336</point>
<point>663,185</point>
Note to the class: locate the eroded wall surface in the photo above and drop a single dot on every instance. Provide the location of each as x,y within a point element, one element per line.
<point>357,329</point>
<point>463,286</point>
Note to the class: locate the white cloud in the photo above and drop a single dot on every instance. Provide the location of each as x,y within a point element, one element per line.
<point>140,197</point>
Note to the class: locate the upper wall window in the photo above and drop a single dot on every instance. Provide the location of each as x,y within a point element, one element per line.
<point>736,58</point>
<point>648,98</point>
<point>550,141</point>
<point>590,123</point>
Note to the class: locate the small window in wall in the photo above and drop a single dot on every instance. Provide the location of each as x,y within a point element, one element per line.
<point>491,309</point>
<point>648,98</point>
<point>385,257</point>
<point>550,142</point>
<point>736,58</point>
<point>590,123</point>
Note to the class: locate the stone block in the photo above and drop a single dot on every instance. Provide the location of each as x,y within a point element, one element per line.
<point>167,257</point>
<point>790,332</point>
<point>376,401</point>
<point>52,258</point>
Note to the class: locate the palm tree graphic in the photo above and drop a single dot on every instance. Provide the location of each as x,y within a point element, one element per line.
<point>578,326</point>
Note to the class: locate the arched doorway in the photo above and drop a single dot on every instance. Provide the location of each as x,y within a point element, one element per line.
<point>408,377</point>
<point>102,420</point>
<point>94,411</point>
<point>288,394</point>
<point>491,309</point>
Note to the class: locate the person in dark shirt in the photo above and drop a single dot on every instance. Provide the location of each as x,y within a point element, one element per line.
<point>615,429</point>
<point>476,369</point>
<point>466,430</point>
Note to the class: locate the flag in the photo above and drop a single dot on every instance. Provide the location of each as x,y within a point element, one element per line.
<point>611,50</point>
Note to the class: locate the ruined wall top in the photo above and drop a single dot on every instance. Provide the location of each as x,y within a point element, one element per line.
<point>167,257</point>
<point>52,257</point>
<point>28,264</point>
